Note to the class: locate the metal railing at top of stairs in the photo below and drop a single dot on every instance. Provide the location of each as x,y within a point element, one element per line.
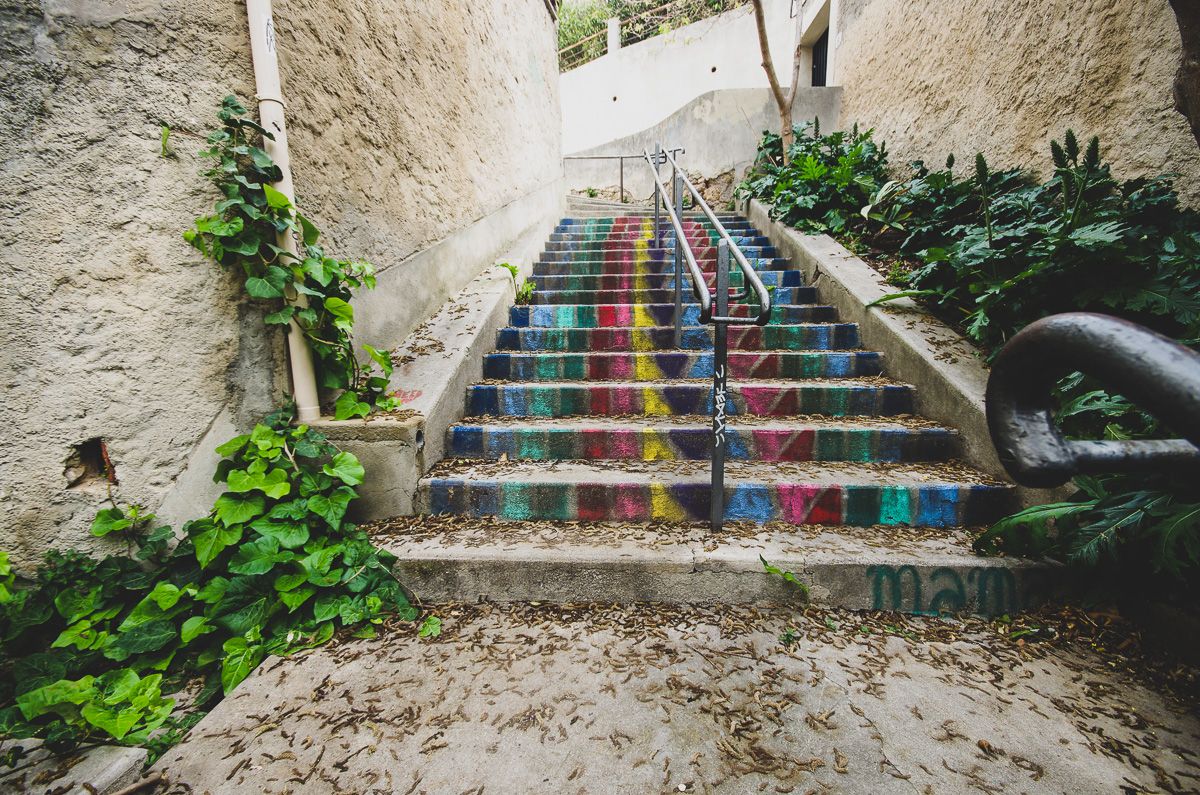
<point>714,308</point>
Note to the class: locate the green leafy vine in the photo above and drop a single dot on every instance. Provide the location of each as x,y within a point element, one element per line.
<point>311,288</point>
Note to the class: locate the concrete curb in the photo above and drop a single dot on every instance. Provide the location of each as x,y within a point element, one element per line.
<point>440,359</point>
<point>96,771</point>
<point>950,377</point>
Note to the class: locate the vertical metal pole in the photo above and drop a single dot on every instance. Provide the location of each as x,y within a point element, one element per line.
<point>657,197</point>
<point>720,385</point>
<point>679,264</point>
<point>622,161</point>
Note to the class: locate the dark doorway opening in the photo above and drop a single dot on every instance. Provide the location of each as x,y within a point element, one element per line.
<point>820,59</point>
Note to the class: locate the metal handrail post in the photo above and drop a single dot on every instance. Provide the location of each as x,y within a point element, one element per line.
<point>657,195</point>
<point>679,265</point>
<point>720,386</point>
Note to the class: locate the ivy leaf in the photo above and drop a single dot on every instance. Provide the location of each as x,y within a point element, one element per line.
<point>274,484</point>
<point>343,313</point>
<point>329,606</point>
<point>150,636</point>
<point>333,507</point>
<point>259,287</point>
<point>240,659</point>
<point>194,627</point>
<point>234,509</point>
<point>346,468</point>
<point>289,535</point>
<point>276,199</point>
<point>309,232</point>
<point>212,541</point>
<point>288,582</point>
<point>258,557</point>
<point>55,696</point>
<point>109,520</point>
<point>295,598</point>
<point>280,318</point>
<point>348,405</point>
<point>74,604</point>
<point>212,592</point>
<point>245,606</point>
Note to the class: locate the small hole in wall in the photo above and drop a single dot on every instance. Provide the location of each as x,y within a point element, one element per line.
<point>714,69</point>
<point>89,463</point>
<point>614,99</point>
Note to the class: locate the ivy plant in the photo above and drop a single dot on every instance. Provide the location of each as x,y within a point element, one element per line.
<point>92,649</point>
<point>312,287</point>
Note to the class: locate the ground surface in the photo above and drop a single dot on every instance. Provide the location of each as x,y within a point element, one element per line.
<point>601,699</point>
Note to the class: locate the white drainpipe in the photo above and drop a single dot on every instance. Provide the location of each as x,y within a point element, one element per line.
<point>270,116</point>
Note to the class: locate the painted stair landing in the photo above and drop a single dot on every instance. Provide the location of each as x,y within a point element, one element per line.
<point>591,424</point>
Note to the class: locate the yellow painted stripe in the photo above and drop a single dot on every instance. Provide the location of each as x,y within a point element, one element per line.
<point>655,446</point>
<point>664,508</point>
<point>653,403</point>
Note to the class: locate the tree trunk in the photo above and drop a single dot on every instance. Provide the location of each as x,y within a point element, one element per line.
<point>1187,79</point>
<point>783,101</point>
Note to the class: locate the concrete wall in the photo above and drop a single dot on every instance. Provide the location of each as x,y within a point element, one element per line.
<point>720,131</point>
<point>411,125</point>
<point>1005,78</point>
<point>637,86</point>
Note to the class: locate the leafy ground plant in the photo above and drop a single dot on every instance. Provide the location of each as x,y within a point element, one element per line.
<point>313,288</point>
<point>93,649</point>
<point>524,287</point>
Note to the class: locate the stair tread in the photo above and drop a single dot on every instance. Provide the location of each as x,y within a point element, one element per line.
<point>682,422</point>
<point>683,472</point>
<point>874,381</point>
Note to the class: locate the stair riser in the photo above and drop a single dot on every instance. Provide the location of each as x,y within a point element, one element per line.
<point>708,236</point>
<point>599,267</point>
<point>659,281</point>
<point>632,220</point>
<point>648,315</point>
<point>833,336</point>
<point>622,244</point>
<point>534,400</point>
<point>657,366</point>
<point>861,506</point>
<point>991,588</point>
<point>781,295</point>
<point>695,444</point>
<point>646,254</point>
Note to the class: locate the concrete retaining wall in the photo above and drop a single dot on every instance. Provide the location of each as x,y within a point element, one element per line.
<point>720,131</point>
<point>414,128</point>
<point>639,85</point>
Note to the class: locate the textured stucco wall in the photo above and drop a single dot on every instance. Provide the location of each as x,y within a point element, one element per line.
<point>407,122</point>
<point>934,78</point>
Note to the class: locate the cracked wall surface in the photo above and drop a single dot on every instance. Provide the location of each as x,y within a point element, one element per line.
<point>406,124</point>
<point>1004,78</point>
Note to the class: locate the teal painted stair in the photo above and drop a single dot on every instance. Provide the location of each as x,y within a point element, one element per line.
<point>590,414</point>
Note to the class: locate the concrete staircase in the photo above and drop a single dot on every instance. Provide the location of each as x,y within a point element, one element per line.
<point>580,472</point>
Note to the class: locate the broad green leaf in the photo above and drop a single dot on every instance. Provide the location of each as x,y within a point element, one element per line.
<point>258,557</point>
<point>259,287</point>
<point>150,636</point>
<point>328,606</point>
<point>431,627</point>
<point>109,520</point>
<point>213,541</point>
<point>59,697</point>
<point>74,604</point>
<point>343,313</point>
<point>280,318</point>
<point>346,468</point>
<point>193,628</point>
<point>295,598</point>
<point>333,507</point>
<point>275,198</point>
<point>309,232</point>
<point>240,659</point>
<point>349,406</point>
<point>235,509</point>
<point>274,483</point>
<point>288,582</point>
<point>288,534</point>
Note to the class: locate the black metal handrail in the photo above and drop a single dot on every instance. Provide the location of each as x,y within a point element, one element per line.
<point>713,310</point>
<point>1156,373</point>
<point>752,281</point>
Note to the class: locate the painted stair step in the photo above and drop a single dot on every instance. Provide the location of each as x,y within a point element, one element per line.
<point>633,217</point>
<point>774,399</point>
<point>646,224</point>
<point>810,336</point>
<point>696,242</point>
<point>690,229</point>
<point>654,366</point>
<point>646,253</point>
<point>661,268</point>
<point>661,281</point>
<point>652,440</point>
<point>649,315</point>
<point>884,568</point>
<point>781,295</point>
<point>820,493</point>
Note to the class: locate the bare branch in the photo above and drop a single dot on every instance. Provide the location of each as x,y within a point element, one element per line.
<point>768,64</point>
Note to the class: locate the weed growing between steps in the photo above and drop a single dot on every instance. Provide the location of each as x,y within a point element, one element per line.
<point>92,649</point>
<point>992,251</point>
<point>241,235</point>
<point>524,288</point>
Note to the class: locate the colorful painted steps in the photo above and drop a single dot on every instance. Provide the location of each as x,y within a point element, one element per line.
<point>656,366</point>
<point>591,421</point>
<point>783,295</point>
<point>763,398</point>
<point>917,495</point>
<point>801,336</point>
<point>660,281</point>
<point>654,440</point>
<point>601,267</point>
<point>650,315</point>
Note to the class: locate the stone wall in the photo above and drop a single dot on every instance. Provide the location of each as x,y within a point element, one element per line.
<point>408,122</point>
<point>935,77</point>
